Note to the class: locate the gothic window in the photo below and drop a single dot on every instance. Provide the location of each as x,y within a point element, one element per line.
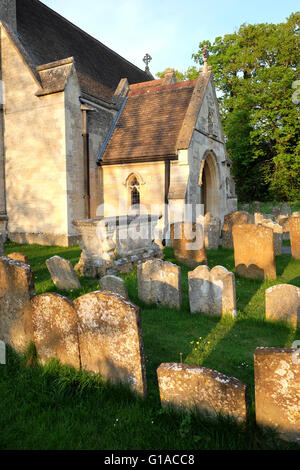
<point>134,188</point>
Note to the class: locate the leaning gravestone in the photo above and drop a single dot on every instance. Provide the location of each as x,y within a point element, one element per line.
<point>19,257</point>
<point>230,220</point>
<point>209,391</point>
<point>62,273</point>
<point>212,292</point>
<point>283,303</point>
<point>55,329</point>
<point>212,228</point>
<point>114,284</point>
<point>254,251</point>
<point>16,292</point>
<point>188,243</point>
<point>110,338</point>
<point>294,224</point>
<point>159,282</point>
<point>277,390</point>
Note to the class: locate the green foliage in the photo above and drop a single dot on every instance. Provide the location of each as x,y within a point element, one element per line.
<point>191,73</point>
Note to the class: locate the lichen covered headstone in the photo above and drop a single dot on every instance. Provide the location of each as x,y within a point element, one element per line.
<point>212,292</point>
<point>206,390</point>
<point>114,284</point>
<point>159,282</point>
<point>16,292</point>
<point>110,339</point>
<point>254,251</point>
<point>294,224</point>
<point>55,329</point>
<point>283,303</point>
<point>277,390</point>
<point>62,273</point>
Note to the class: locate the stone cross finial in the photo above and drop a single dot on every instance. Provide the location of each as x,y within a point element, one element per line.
<point>147,59</point>
<point>205,53</point>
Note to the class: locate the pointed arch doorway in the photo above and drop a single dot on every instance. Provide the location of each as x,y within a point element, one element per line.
<point>210,184</point>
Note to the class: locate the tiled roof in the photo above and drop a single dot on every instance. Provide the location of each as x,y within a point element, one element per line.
<point>151,122</point>
<point>47,37</point>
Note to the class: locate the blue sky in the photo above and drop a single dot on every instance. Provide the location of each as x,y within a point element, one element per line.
<point>169,30</point>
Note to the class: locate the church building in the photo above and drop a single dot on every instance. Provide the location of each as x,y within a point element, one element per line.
<point>85,133</point>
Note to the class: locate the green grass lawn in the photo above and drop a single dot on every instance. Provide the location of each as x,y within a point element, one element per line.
<point>55,407</point>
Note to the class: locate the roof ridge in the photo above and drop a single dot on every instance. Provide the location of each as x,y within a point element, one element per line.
<point>88,35</point>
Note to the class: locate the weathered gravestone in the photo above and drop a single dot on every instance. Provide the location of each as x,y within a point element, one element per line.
<point>283,303</point>
<point>230,220</point>
<point>212,292</point>
<point>114,284</point>
<point>277,390</point>
<point>188,243</point>
<point>294,224</point>
<point>16,292</point>
<point>159,282</point>
<point>285,209</point>
<point>277,234</point>
<point>62,273</point>
<point>254,251</point>
<point>55,329</point>
<point>110,338</point>
<point>19,257</point>
<point>283,221</point>
<point>212,227</point>
<point>258,218</point>
<point>256,206</point>
<point>206,390</point>
<point>246,207</point>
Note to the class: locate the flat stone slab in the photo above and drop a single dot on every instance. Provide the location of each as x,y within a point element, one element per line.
<point>62,273</point>
<point>283,303</point>
<point>294,224</point>
<point>206,390</point>
<point>159,282</point>
<point>212,292</point>
<point>277,390</point>
<point>55,329</point>
<point>254,252</point>
<point>16,292</point>
<point>114,284</point>
<point>110,338</point>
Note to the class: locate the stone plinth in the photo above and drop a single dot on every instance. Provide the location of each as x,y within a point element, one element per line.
<point>111,243</point>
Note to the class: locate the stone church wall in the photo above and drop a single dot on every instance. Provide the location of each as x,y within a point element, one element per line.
<point>35,155</point>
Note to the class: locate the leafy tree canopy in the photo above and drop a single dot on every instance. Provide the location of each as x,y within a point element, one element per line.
<point>255,70</point>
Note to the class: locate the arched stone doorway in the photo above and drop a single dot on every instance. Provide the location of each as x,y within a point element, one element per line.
<point>209,183</point>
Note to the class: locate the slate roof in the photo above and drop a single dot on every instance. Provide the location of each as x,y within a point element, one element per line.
<point>48,37</point>
<point>152,120</point>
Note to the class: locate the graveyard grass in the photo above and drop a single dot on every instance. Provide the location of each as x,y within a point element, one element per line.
<point>55,407</point>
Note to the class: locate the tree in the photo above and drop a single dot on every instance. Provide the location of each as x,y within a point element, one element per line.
<point>255,68</point>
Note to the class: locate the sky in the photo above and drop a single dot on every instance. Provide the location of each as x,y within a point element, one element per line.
<point>169,30</point>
